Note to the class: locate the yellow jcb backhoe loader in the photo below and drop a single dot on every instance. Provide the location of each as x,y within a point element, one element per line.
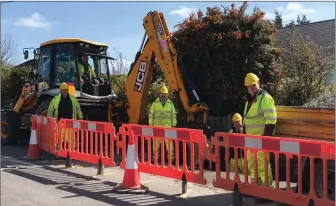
<point>60,60</point>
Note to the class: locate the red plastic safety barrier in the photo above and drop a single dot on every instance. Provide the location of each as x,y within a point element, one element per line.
<point>195,139</point>
<point>46,132</point>
<point>87,141</point>
<point>321,159</point>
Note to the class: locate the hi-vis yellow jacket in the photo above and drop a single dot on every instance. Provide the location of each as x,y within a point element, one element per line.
<point>53,108</point>
<point>160,115</point>
<point>81,70</point>
<point>261,113</point>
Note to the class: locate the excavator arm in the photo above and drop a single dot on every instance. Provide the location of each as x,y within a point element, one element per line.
<point>157,47</point>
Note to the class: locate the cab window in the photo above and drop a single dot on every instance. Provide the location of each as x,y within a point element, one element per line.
<point>81,63</point>
<point>44,64</point>
<point>65,65</point>
<point>103,69</point>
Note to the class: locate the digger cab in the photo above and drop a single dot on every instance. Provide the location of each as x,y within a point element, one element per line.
<point>80,62</point>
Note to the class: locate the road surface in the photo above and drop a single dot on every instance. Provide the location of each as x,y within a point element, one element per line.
<point>37,183</point>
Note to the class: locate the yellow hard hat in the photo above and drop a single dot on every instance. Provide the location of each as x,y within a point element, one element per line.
<point>164,90</point>
<point>251,79</point>
<point>64,86</point>
<point>236,117</point>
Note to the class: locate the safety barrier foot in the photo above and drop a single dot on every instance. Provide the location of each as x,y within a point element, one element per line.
<point>237,197</point>
<point>122,190</point>
<point>311,203</point>
<point>185,191</point>
<point>100,170</point>
<point>68,162</point>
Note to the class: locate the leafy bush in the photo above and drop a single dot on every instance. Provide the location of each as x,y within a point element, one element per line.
<point>12,81</point>
<point>219,48</point>
<point>118,83</point>
<point>325,100</point>
<point>5,83</point>
<point>305,66</point>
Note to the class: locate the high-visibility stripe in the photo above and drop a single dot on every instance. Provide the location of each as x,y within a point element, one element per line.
<point>131,158</point>
<point>76,125</point>
<point>33,137</point>
<point>290,147</point>
<point>254,126</point>
<point>253,143</point>
<point>172,134</point>
<point>147,131</point>
<point>271,118</point>
<point>258,115</point>
<point>269,111</point>
<point>274,145</point>
<point>42,120</point>
<point>92,127</point>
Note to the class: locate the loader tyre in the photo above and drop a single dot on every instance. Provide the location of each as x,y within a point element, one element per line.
<point>42,107</point>
<point>10,128</point>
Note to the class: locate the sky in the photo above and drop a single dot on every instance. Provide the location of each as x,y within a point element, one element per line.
<point>119,24</point>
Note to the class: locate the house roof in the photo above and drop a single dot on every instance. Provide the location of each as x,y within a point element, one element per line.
<point>322,33</point>
<point>28,64</point>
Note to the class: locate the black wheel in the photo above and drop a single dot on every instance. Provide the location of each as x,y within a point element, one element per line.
<point>10,128</point>
<point>42,108</point>
<point>319,179</point>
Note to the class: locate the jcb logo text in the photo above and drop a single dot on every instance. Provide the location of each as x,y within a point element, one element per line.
<point>140,76</point>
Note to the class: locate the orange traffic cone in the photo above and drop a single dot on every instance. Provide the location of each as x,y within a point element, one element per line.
<point>34,149</point>
<point>131,181</point>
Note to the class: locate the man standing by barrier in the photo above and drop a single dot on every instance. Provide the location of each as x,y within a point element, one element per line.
<point>260,118</point>
<point>237,128</point>
<point>64,105</point>
<point>162,113</point>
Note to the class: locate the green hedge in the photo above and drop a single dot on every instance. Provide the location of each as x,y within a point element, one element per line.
<point>12,81</point>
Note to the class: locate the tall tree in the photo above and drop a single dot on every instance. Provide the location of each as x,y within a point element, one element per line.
<point>299,21</point>
<point>218,48</point>
<point>303,20</point>
<point>278,20</point>
<point>290,24</point>
<point>7,51</point>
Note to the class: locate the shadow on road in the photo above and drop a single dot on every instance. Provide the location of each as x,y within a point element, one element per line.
<point>100,190</point>
<point>18,150</point>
